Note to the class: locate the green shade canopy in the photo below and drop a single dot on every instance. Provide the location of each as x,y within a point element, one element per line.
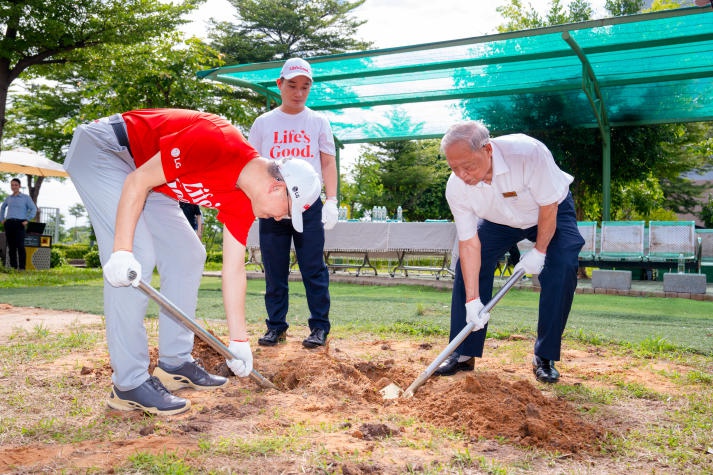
<point>642,69</point>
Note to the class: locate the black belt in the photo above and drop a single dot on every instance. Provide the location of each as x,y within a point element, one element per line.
<point>119,126</point>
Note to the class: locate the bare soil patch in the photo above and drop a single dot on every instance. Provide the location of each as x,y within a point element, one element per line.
<point>329,417</point>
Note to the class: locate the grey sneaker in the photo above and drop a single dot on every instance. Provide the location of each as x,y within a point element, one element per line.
<point>189,375</point>
<point>151,396</point>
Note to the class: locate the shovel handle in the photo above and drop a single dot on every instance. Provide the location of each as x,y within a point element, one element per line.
<point>182,318</point>
<point>462,335</point>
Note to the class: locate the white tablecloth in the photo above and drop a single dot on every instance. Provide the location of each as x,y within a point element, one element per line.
<point>366,236</point>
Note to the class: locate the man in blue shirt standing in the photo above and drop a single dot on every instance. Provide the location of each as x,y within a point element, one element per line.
<point>20,209</point>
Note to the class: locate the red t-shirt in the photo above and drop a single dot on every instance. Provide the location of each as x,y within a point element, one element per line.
<point>202,157</point>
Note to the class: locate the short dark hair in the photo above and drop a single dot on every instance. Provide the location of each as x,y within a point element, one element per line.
<point>17,180</point>
<point>274,171</point>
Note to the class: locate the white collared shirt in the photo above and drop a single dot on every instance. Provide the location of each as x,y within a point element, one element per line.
<point>525,177</point>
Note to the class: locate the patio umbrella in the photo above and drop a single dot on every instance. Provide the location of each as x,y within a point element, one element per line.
<point>29,162</point>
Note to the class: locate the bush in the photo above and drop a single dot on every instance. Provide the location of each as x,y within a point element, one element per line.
<point>57,258</point>
<point>707,212</point>
<point>91,259</point>
<point>73,251</point>
<point>214,257</point>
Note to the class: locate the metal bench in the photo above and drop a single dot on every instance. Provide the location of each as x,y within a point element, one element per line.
<point>588,230</point>
<point>671,241</point>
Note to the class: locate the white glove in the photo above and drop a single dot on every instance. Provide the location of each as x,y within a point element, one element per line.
<point>330,214</point>
<point>474,314</point>
<point>117,268</point>
<point>532,263</point>
<point>242,364</point>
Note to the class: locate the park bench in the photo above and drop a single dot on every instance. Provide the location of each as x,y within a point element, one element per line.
<point>632,245</point>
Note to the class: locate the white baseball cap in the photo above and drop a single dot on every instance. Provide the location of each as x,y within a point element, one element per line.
<point>303,186</point>
<point>294,67</point>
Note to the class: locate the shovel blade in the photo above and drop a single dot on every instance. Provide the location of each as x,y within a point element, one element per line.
<point>391,391</point>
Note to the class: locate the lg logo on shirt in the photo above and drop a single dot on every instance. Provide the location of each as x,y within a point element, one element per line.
<point>176,154</point>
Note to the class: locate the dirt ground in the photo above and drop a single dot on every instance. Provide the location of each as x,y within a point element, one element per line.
<point>328,415</point>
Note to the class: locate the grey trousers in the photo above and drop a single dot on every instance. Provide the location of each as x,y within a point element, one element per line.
<point>98,167</point>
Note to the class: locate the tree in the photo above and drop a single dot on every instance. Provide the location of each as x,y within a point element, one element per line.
<point>519,18</point>
<point>623,7</point>
<point>111,78</point>
<point>77,210</point>
<point>410,174</point>
<point>707,212</point>
<point>273,30</point>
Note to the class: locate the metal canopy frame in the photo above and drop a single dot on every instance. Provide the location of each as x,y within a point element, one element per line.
<point>644,69</point>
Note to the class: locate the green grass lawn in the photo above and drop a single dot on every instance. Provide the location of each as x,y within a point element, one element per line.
<point>404,310</point>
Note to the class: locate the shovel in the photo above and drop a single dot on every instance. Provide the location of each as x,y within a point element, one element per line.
<point>182,318</point>
<point>460,336</point>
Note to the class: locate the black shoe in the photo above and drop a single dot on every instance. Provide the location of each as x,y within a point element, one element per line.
<point>151,397</point>
<point>189,375</point>
<point>544,370</point>
<point>317,338</point>
<point>451,365</point>
<point>272,338</point>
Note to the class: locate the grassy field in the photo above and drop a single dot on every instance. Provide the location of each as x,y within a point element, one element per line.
<point>677,323</point>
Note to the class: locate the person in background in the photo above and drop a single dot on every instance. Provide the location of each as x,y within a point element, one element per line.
<point>17,209</point>
<point>294,130</point>
<point>194,216</point>
<point>501,191</point>
<point>130,169</point>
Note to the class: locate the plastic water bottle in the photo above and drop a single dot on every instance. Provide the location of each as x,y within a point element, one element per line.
<point>399,214</point>
<point>681,264</point>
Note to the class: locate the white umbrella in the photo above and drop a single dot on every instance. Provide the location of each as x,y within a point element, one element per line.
<point>29,162</point>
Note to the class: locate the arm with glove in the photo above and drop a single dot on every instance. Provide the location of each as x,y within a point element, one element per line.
<point>234,285</point>
<point>330,213</point>
<point>469,252</point>
<point>534,261</point>
<point>136,188</point>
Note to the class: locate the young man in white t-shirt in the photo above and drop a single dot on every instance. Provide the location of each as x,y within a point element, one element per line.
<point>501,191</point>
<point>295,131</point>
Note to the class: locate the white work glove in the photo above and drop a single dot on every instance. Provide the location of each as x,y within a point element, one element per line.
<point>473,314</point>
<point>242,364</point>
<point>532,263</point>
<point>117,268</point>
<point>330,214</point>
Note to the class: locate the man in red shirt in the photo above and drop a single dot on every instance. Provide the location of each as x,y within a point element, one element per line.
<point>129,170</point>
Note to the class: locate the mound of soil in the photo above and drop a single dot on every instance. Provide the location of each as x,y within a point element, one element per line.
<point>480,404</point>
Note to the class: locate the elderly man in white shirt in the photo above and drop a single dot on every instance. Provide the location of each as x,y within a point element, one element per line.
<point>503,190</point>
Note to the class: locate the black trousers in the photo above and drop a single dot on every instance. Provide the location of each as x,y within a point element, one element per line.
<point>15,235</point>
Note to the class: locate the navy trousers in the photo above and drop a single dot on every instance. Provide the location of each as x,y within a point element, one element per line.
<point>558,281</point>
<point>15,236</point>
<point>275,240</point>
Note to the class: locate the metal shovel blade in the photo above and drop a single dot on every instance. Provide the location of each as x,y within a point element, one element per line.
<point>461,336</point>
<point>182,318</point>
<point>390,391</point>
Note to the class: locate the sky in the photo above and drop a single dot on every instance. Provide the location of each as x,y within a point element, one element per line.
<point>389,23</point>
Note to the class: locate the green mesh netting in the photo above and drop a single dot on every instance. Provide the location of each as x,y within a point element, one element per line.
<point>646,69</point>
